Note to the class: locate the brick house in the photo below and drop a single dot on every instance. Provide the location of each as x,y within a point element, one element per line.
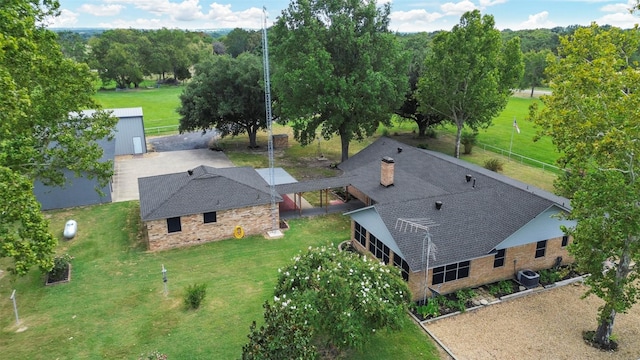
<point>202,205</point>
<point>485,226</point>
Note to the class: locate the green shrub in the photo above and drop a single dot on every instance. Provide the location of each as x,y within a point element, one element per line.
<point>432,308</point>
<point>385,132</point>
<point>423,146</point>
<point>493,164</point>
<point>506,287</point>
<point>431,133</point>
<point>194,294</point>
<point>549,276</point>
<point>468,139</point>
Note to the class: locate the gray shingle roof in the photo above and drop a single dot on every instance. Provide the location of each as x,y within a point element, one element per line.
<point>207,189</point>
<point>472,220</point>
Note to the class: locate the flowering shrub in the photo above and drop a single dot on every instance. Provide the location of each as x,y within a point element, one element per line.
<point>60,267</point>
<point>345,297</point>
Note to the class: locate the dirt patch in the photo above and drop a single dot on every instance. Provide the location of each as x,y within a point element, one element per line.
<point>546,325</point>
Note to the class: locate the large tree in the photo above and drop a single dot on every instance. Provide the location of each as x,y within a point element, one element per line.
<point>338,299</point>
<point>592,118</point>
<point>535,62</point>
<point>417,45</point>
<point>40,137</point>
<point>337,67</point>
<point>469,74</point>
<point>226,94</point>
<point>122,55</point>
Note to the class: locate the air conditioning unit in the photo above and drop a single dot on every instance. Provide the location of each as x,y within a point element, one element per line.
<point>528,278</point>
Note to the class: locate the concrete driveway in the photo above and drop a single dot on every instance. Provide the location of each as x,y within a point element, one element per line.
<point>128,168</point>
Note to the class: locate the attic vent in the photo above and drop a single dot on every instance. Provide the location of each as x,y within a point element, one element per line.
<point>386,171</point>
<point>190,172</point>
<point>468,177</point>
<point>438,204</point>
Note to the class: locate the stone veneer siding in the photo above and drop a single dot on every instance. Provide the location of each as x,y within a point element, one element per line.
<point>253,220</point>
<point>481,270</point>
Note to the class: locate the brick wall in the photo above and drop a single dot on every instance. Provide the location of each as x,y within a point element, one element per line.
<point>253,220</point>
<point>481,270</point>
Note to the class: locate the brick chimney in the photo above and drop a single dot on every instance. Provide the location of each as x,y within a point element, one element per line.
<point>386,171</point>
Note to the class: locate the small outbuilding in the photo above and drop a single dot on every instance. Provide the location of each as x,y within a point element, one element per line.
<point>204,204</point>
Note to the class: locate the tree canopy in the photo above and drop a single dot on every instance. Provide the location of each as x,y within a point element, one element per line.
<point>417,45</point>
<point>592,118</point>
<point>469,74</point>
<point>338,68</point>
<point>535,62</point>
<point>338,299</point>
<point>226,94</point>
<point>42,129</point>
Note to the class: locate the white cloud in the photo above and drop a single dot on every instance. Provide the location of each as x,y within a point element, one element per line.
<point>486,3</point>
<point>165,7</point>
<point>101,10</point>
<point>414,21</point>
<point>65,19</point>
<point>537,21</point>
<point>136,24</point>
<point>620,15</point>
<point>222,16</point>
<point>615,8</point>
<point>458,8</point>
<point>621,20</point>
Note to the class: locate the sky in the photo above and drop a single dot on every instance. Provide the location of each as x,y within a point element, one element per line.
<point>406,15</point>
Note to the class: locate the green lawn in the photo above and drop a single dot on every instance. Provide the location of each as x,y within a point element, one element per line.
<point>159,108</point>
<point>158,104</point>
<point>114,307</point>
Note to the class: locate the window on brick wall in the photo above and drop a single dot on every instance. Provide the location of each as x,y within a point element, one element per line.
<point>402,265</point>
<point>360,234</point>
<point>379,249</point>
<point>541,248</point>
<point>450,272</point>
<point>209,217</point>
<point>498,260</point>
<point>174,225</point>
<point>565,240</point>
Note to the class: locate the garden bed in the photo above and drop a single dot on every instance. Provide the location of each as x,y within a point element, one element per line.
<point>469,299</point>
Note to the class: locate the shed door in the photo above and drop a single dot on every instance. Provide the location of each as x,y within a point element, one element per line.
<point>137,145</point>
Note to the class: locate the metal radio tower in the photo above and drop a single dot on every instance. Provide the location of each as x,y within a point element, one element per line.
<point>267,103</point>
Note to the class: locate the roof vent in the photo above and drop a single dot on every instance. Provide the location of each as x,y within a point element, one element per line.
<point>399,150</point>
<point>438,204</point>
<point>468,177</point>
<point>190,172</point>
<point>474,183</point>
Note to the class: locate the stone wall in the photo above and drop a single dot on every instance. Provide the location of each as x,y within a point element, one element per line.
<point>254,220</point>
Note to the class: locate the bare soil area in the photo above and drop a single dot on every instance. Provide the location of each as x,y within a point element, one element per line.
<point>545,325</point>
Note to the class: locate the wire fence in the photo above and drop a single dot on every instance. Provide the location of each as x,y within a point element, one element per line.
<point>521,158</point>
<point>161,130</point>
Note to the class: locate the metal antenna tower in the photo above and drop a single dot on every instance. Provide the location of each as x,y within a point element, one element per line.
<point>267,103</point>
<point>428,247</point>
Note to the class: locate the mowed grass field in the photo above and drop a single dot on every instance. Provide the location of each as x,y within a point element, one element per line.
<point>159,105</point>
<point>115,307</point>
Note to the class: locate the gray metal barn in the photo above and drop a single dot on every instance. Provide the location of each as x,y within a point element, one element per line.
<point>129,134</point>
<point>128,139</point>
<point>78,191</point>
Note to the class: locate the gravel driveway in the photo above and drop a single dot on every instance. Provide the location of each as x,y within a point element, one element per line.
<point>186,141</point>
<point>545,325</point>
